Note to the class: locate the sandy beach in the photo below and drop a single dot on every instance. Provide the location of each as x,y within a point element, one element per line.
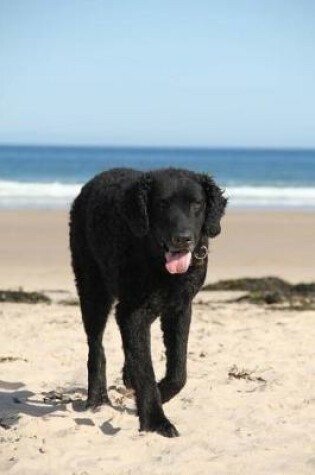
<point>249,403</point>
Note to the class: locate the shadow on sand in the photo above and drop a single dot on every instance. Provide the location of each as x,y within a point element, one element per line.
<point>16,400</point>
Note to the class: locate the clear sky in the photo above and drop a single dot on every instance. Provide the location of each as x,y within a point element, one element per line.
<point>165,72</point>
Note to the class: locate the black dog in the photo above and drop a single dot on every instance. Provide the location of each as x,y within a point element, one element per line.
<point>142,238</point>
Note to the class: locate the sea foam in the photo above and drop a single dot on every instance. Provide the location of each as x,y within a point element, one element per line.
<point>31,194</point>
<point>56,194</point>
<point>271,196</point>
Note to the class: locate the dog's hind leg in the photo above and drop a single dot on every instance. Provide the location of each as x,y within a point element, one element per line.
<point>95,303</point>
<point>94,315</point>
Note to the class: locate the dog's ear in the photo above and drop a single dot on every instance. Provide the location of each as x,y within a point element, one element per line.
<point>215,206</point>
<point>135,205</point>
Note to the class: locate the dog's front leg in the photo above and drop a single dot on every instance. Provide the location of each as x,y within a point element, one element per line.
<point>135,332</point>
<point>175,327</point>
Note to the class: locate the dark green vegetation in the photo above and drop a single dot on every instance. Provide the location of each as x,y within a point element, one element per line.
<point>270,291</point>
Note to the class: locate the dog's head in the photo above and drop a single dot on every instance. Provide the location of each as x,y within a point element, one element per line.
<point>177,208</point>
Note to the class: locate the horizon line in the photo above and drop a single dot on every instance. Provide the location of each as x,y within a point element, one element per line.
<point>162,147</point>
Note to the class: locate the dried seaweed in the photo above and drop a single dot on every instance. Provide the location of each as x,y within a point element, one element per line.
<point>237,373</point>
<point>20,296</point>
<point>270,291</point>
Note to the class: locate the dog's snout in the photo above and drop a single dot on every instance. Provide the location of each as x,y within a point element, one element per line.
<point>182,240</point>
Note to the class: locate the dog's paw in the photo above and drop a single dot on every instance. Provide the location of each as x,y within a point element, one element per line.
<point>167,429</point>
<point>163,427</point>
<point>96,400</point>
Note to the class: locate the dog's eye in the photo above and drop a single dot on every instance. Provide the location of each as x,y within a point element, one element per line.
<point>196,206</point>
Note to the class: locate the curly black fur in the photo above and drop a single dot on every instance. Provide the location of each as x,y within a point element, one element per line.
<point>121,225</point>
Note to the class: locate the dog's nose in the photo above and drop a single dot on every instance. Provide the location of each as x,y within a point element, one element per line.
<point>182,240</point>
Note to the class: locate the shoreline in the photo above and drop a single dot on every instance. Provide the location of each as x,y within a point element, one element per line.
<point>232,208</point>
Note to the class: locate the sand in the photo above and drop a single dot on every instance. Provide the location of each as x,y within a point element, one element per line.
<point>261,424</point>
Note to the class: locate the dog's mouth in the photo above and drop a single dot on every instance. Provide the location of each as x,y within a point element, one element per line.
<point>178,262</point>
<point>177,259</point>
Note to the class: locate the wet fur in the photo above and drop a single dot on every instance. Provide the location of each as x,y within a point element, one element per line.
<point>116,256</point>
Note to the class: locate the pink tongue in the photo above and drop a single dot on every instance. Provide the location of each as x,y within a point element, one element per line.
<point>177,262</point>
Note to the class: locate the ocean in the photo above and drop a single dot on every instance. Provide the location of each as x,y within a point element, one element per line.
<point>50,177</point>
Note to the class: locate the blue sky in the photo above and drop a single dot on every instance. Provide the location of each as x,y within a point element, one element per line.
<point>201,73</point>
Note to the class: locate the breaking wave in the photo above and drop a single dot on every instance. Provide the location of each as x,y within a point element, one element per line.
<point>15,194</point>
